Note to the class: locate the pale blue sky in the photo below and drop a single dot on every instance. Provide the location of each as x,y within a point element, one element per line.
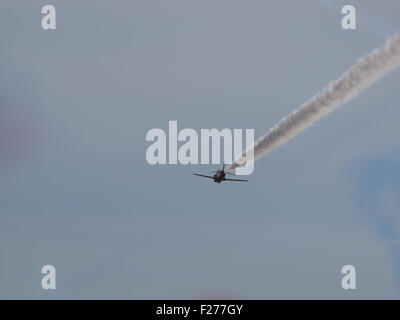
<point>77,192</point>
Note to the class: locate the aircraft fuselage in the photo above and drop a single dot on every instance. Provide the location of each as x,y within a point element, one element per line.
<point>219,176</point>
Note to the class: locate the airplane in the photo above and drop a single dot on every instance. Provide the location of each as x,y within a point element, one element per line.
<point>219,176</point>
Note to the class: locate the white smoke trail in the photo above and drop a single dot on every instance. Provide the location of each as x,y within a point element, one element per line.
<point>359,77</point>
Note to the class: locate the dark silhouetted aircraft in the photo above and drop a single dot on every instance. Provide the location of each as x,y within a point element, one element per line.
<point>219,176</point>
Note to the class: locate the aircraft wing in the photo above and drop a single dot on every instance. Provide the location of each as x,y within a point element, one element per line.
<point>237,180</point>
<point>202,175</point>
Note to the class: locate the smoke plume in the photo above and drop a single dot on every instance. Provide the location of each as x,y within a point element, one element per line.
<point>356,79</point>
